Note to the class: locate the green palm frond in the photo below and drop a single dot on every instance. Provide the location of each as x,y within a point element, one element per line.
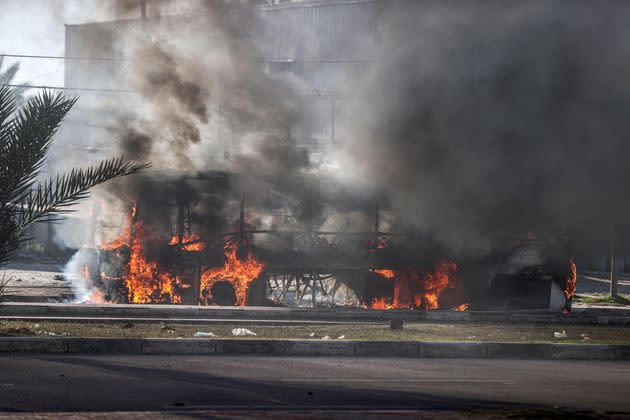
<point>25,138</point>
<point>7,106</point>
<point>55,195</point>
<point>9,241</point>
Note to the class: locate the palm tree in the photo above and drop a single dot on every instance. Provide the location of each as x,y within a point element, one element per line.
<point>25,137</point>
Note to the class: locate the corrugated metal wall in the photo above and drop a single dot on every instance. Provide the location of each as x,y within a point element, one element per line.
<point>319,31</point>
<point>328,45</point>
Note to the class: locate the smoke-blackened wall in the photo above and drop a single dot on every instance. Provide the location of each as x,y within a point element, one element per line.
<point>486,119</point>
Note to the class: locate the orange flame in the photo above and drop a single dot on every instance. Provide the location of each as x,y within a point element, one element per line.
<point>85,272</point>
<point>430,285</point>
<point>401,290</point>
<point>118,242</point>
<point>463,307</point>
<point>380,303</point>
<point>196,244</point>
<point>388,274</point>
<point>98,296</point>
<point>571,280</point>
<point>145,281</point>
<point>106,276</point>
<point>238,273</point>
<point>433,284</point>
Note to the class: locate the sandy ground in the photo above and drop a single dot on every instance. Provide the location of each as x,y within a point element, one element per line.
<point>36,282</point>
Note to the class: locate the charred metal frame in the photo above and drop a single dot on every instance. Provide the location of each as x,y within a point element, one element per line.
<point>312,258</point>
<point>306,277</point>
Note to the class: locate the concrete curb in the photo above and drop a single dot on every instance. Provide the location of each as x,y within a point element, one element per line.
<point>459,350</point>
<point>269,314</point>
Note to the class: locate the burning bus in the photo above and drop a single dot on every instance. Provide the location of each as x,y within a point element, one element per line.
<point>260,253</point>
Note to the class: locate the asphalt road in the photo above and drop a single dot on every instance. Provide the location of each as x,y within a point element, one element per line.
<point>71,383</point>
<point>600,282</point>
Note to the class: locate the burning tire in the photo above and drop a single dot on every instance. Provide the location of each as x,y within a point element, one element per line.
<point>222,293</point>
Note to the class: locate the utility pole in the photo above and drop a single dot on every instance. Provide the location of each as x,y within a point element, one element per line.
<point>613,271</point>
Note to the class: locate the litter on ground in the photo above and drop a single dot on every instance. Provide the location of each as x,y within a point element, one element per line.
<point>562,334</point>
<point>238,332</point>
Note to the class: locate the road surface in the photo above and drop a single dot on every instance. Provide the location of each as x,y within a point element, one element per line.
<point>79,383</point>
<point>591,282</point>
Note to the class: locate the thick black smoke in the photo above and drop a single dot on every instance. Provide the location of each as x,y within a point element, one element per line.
<point>198,78</point>
<point>486,119</point>
<point>179,102</point>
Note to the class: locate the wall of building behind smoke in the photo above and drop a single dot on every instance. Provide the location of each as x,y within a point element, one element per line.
<point>477,122</point>
<point>491,119</point>
<point>192,94</point>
